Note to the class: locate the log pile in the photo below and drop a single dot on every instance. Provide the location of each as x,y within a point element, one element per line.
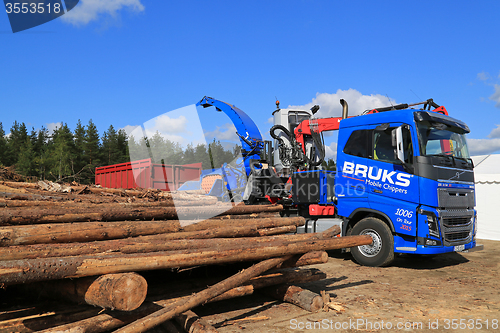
<point>101,248</point>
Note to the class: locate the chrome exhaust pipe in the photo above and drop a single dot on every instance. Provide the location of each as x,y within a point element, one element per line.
<point>345,108</point>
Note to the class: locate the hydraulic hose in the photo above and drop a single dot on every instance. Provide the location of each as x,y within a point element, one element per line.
<point>281,127</point>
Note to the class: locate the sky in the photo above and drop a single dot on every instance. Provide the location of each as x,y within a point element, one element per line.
<point>127,63</point>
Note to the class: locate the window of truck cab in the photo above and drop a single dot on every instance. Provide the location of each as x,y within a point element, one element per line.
<point>383,145</point>
<point>438,139</point>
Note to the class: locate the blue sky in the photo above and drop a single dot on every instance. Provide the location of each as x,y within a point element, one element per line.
<point>124,62</point>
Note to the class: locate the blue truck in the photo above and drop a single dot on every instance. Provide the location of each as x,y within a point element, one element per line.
<point>404,176</point>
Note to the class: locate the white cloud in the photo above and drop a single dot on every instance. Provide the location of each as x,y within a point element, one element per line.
<point>483,76</point>
<point>270,120</point>
<point>226,132</point>
<point>129,129</point>
<point>90,10</point>
<point>483,146</point>
<point>495,133</point>
<point>51,127</point>
<point>496,96</point>
<point>166,124</point>
<point>169,128</point>
<point>330,103</point>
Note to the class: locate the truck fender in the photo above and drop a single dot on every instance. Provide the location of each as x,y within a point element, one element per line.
<point>367,212</point>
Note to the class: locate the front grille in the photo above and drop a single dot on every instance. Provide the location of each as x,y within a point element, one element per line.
<point>456,226</point>
<point>456,221</point>
<point>457,236</point>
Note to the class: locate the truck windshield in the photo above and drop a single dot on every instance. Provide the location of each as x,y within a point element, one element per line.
<point>442,140</point>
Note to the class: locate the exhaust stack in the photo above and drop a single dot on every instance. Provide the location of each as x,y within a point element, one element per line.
<point>345,108</point>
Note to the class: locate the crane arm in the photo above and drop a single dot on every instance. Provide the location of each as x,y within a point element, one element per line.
<point>246,129</point>
<point>315,126</point>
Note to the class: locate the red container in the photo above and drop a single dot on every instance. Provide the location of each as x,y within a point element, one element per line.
<point>145,174</point>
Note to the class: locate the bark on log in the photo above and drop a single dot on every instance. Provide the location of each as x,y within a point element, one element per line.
<point>38,216</point>
<point>303,298</point>
<point>167,313</point>
<point>208,200</point>
<point>310,258</point>
<point>260,223</point>
<point>22,271</point>
<point>192,323</point>
<point>278,230</point>
<point>76,249</point>
<point>124,291</point>
<point>82,231</point>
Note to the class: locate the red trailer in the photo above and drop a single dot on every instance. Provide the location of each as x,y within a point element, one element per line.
<point>145,174</point>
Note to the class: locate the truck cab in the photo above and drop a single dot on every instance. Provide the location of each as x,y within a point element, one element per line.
<point>405,178</point>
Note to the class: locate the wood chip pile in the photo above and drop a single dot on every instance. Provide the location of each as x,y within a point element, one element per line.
<point>121,257</point>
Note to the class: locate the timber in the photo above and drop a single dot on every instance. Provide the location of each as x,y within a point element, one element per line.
<point>124,291</point>
<point>260,223</point>
<point>206,200</point>
<point>38,216</point>
<point>22,271</point>
<point>149,243</point>
<point>78,246</point>
<point>310,258</point>
<point>156,318</point>
<point>106,321</point>
<point>192,323</point>
<point>303,298</point>
<point>82,231</point>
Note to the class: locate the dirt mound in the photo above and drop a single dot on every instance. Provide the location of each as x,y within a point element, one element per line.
<point>9,174</point>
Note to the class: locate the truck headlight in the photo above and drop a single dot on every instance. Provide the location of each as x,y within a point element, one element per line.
<point>433,225</point>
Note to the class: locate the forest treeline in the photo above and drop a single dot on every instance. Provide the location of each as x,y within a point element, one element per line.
<point>66,155</point>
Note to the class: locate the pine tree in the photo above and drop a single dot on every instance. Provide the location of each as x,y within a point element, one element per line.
<point>122,147</point>
<point>109,148</point>
<point>16,139</point>
<point>91,145</point>
<point>40,152</point>
<point>159,148</point>
<point>189,155</point>
<point>61,160</point>
<point>79,139</point>
<point>26,163</point>
<point>201,155</point>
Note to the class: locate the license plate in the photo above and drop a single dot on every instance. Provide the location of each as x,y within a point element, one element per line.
<point>459,248</point>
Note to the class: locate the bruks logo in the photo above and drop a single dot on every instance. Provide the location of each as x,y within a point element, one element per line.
<point>26,14</point>
<point>377,177</point>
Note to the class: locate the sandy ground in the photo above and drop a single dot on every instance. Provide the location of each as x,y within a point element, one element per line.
<point>457,292</point>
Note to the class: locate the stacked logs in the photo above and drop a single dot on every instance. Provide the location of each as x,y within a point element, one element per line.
<point>82,248</point>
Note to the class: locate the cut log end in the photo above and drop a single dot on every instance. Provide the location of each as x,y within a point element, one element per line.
<point>125,292</point>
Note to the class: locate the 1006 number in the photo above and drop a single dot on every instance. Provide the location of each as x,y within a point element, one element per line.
<point>404,213</point>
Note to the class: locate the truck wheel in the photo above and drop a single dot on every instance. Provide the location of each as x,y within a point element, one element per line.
<point>381,251</point>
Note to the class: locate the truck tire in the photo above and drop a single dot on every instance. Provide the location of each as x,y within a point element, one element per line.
<point>381,251</point>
